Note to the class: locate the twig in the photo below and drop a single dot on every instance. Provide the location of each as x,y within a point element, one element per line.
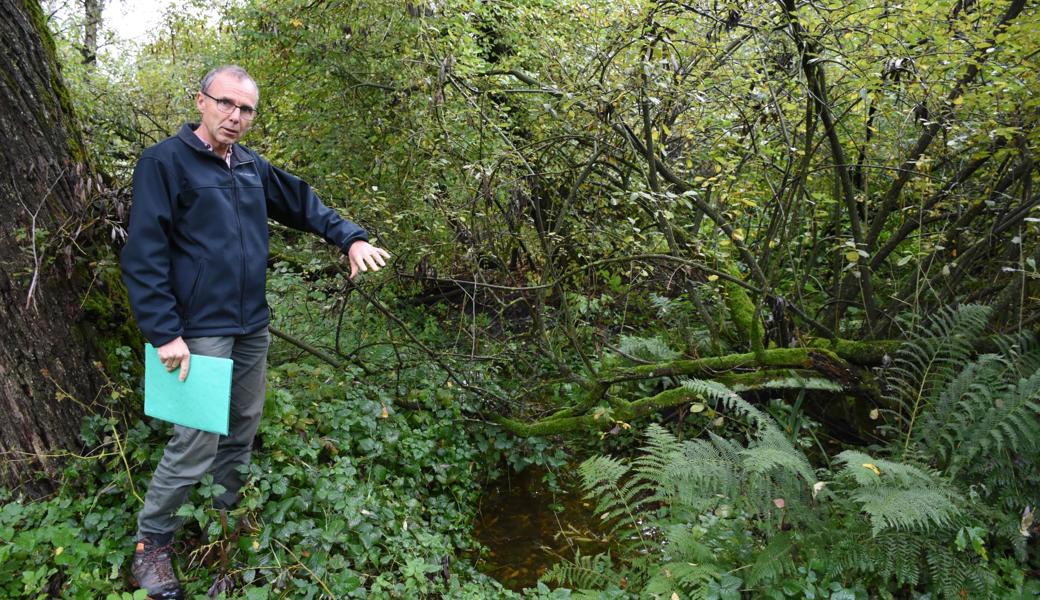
<point>306,347</point>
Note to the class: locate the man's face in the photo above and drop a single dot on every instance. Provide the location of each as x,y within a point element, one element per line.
<point>222,129</point>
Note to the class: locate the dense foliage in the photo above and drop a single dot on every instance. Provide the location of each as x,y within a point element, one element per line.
<point>708,515</point>
<point>734,230</point>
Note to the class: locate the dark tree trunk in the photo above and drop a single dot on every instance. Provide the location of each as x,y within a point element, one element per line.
<point>91,25</point>
<point>49,369</point>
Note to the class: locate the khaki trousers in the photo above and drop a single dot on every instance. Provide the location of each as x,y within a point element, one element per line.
<point>190,453</point>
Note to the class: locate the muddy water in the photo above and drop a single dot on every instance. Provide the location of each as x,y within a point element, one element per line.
<point>525,536</point>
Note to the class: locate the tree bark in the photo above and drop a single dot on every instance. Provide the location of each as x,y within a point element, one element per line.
<point>91,26</point>
<point>48,357</point>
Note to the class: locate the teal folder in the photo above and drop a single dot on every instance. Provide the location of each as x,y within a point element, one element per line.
<point>201,401</point>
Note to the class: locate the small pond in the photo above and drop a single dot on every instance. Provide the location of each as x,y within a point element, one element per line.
<point>525,536</point>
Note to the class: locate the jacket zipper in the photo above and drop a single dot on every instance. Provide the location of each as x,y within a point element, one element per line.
<point>242,252</point>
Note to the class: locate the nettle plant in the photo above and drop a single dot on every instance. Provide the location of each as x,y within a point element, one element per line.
<point>937,510</point>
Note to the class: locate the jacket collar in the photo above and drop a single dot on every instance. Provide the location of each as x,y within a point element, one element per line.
<point>187,135</point>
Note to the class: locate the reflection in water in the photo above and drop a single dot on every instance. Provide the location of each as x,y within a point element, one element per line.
<point>525,536</point>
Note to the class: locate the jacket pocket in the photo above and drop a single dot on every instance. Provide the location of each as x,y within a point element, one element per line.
<point>194,293</point>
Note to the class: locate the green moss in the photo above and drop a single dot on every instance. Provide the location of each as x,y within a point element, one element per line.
<point>711,366</point>
<point>108,323</point>
<point>871,353</point>
<point>57,87</point>
<point>742,310</point>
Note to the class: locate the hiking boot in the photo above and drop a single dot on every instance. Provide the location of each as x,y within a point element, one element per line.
<point>153,571</point>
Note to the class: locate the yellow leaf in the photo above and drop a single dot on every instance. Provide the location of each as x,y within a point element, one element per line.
<point>872,467</point>
<point>852,256</point>
<point>697,407</point>
<point>675,596</point>
<point>59,550</point>
<point>296,23</point>
<point>385,414</point>
<point>713,277</point>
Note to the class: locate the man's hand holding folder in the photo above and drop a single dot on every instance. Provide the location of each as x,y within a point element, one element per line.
<point>175,354</point>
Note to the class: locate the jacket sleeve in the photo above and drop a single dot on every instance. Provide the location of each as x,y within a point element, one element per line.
<point>145,258</point>
<point>292,202</point>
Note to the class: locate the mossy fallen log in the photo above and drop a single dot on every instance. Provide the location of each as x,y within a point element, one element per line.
<point>805,368</point>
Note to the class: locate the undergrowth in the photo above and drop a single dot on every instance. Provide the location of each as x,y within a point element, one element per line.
<point>940,511</point>
<point>354,492</point>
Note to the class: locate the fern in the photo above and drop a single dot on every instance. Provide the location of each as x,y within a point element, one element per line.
<point>688,515</point>
<point>931,357</point>
<point>898,496</point>
<point>891,556</point>
<point>773,450</point>
<point>584,572</point>
<point>719,393</point>
<point>652,349</point>
<point>976,420</point>
<point>795,382</point>
<point>653,502</point>
<point>774,561</point>
<point>686,580</point>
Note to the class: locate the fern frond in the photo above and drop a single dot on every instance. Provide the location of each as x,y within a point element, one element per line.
<point>931,357</point>
<point>701,473</point>
<point>584,572</point>
<point>692,580</point>
<point>916,508</point>
<point>773,561</point>
<point>795,382</point>
<point>652,349</point>
<point>898,556</point>
<point>719,393</point>
<point>773,450</point>
<point>954,408</point>
<point>877,472</point>
<point>1002,425</point>
<point>661,450</point>
<point>897,495</point>
<point>1023,351</point>
<point>682,543</point>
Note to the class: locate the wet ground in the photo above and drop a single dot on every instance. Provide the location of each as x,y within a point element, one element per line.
<point>525,536</point>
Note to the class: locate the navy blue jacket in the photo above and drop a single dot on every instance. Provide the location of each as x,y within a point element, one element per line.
<point>195,260</point>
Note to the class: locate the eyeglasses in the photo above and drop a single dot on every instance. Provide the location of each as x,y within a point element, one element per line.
<point>247,113</point>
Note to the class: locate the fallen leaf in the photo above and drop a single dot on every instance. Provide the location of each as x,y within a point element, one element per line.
<point>873,468</point>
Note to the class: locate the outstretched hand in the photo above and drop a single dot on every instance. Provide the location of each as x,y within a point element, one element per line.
<point>364,257</point>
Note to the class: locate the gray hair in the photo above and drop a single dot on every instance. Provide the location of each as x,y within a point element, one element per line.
<point>235,71</point>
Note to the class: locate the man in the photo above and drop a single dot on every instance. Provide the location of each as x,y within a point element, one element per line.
<point>195,267</point>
